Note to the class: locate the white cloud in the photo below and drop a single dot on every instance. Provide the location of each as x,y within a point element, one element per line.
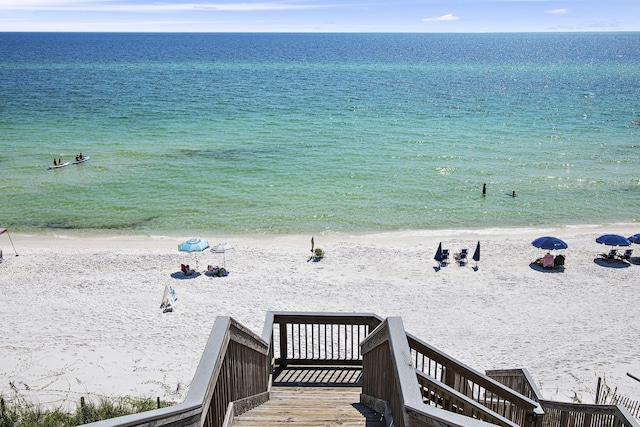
<point>447,17</point>
<point>558,11</point>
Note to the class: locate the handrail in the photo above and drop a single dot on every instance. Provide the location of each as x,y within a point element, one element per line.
<point>564,414</point>
<point>231,352</point>
<point>319,338</point>
<point>442,396</point>
<point>484,390</point>
<point>518,380</point>
<point>389,375</point>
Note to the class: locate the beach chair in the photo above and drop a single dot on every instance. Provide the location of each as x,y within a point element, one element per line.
<point>187,270</point>
<point>611,255</point>
<point>558,262</point>
<point>445,256</point>
<point>217,271</point>
<point>318,254</point>
<point>461,257</point>
<point>624,257</point>
<point>548,261</point>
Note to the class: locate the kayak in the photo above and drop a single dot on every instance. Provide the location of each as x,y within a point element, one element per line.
<point>60,166</point>
<point>84,159</point>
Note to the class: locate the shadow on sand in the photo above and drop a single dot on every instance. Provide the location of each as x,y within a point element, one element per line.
<point>181,276</point>
<point>612,263</point>
<point>538,267</point>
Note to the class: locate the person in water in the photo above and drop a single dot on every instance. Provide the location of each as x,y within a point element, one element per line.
<point>513,193</point>
<point>484,189</point>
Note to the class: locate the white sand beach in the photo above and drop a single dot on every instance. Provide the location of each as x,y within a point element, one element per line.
<point>81,315</point>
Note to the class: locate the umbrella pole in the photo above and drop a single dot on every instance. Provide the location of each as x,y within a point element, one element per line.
<point>12,245</point>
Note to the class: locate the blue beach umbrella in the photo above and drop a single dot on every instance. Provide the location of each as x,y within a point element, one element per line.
<point>613,240</point>
<point>476,254</point>
<point>438,256</point>
<point>195,244</point>
<point>635,238</point>
<point>549,243</point>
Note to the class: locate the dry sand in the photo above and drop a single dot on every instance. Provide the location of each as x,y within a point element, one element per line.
<point>81,315</point>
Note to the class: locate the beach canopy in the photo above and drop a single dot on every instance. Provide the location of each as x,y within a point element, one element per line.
<point>549,243</point>
<point>4,230</point>
<point>613,240</point>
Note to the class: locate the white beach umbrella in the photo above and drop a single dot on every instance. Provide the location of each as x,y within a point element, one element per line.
<point>222,248</point>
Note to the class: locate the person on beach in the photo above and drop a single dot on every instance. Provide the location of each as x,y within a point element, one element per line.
<point>484,189</point>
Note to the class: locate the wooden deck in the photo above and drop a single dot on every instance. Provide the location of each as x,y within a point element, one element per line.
<point>311,407</point>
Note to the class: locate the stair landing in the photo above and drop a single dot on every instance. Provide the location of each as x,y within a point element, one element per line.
<point>311,407</point>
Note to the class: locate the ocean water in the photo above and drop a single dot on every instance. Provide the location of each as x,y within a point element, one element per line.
<point>296,133</point>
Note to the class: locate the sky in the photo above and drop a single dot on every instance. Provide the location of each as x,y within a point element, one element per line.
<point>422,16</point>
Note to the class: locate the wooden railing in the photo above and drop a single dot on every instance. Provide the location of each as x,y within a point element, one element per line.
<point>402,377</point>
<point>318,338</point>
<point>392,386</point>
<point>440,395</point>
<point>563,414</point>
<point>234,368</point>
<point>492,394</point>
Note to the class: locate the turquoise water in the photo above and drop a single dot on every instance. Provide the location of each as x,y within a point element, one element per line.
<point>295,133</point>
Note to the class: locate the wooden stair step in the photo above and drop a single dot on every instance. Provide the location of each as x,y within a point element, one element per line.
<point>311,407</point>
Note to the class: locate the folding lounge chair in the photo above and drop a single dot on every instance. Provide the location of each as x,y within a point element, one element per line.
<point>558,261</point>
<point>548,261</point>
<point>611,255</point>
<point>626,256</point>
<point>462,256</point>
<point>445,256</point>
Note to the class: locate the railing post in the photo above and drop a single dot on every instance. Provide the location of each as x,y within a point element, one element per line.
<point>533,420</point>
<point>283,343</point>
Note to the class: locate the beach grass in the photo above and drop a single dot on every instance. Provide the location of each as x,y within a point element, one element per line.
<point>17,412</point>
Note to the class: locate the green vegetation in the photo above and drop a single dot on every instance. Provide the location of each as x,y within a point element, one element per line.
<point>22,414</point>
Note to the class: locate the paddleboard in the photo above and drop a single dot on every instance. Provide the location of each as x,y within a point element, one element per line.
<point>82,161</point>
<point>60,166</point>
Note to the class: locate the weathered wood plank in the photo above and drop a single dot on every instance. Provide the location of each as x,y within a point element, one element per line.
<point>311,407</point>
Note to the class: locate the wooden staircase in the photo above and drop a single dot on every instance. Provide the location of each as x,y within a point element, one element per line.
<point>311,407</point>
